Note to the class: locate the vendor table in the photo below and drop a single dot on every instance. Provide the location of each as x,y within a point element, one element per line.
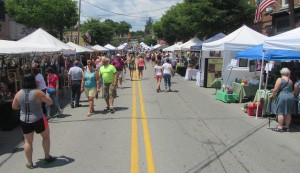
<point>243,91</point>
<point>190,73</point>
<point>227,98</point>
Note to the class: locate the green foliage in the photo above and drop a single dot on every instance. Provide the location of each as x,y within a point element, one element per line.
<point>148,26</point>
<point>54,15</point>
<point>149,40</point>
<point>123,28</point>
<point>101,32</point>
<point>203,18</point>
<point>137,35</point>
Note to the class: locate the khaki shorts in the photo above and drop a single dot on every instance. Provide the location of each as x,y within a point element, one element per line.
<point>108,92</point>
<point>90,92</point>
<point>120,74</point>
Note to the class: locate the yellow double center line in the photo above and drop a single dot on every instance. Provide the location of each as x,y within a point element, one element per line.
<point>134,135</point>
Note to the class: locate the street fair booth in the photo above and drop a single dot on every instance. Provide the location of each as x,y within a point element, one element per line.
<point>193,58</point>
<point>205,61</point>
<point>13,64</point>
<point>226,49</point>
<point>99,48</point>
<point>258,53</point>
<point>110,47</point>
<point>79,49</point>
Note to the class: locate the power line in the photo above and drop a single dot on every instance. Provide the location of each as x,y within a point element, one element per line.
<point>120,14</point>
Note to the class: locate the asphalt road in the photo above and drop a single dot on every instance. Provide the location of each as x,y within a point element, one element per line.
<point>183,131</point>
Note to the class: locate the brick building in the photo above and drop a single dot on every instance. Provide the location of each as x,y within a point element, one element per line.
<point>275,19</point>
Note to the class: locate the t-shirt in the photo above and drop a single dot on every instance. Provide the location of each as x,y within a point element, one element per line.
<point>40,79</point>
<point>75,73</point>
<point>107,73</point>
<point>52,81</point>
<point>118,63</point>
<point>158,69</point>
<point>167,68</point>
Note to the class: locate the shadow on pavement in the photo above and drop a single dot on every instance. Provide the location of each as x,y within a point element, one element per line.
<point>10,142</point>
<point>60,161</point>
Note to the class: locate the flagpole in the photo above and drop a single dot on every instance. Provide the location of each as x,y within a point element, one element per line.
<point>78,34</point>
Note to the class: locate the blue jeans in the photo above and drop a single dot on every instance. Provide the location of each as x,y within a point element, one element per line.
<point>167,80</point>
<point>54,99</point>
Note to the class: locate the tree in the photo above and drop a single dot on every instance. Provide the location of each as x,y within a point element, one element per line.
<point>149,40</point>
<point>123,28</point>
<point>203,18</point>
<point>148,26</point>
<point>54,16</point>
<point>137,35</point>
<point>101,32</point>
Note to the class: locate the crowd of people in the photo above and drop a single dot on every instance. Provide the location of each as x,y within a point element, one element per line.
<point>39,93</point>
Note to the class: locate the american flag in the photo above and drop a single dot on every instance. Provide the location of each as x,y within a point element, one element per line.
<point>88,36</point>
<point>261,7</point>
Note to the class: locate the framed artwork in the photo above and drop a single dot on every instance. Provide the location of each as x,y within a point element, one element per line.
<point>215,53</point>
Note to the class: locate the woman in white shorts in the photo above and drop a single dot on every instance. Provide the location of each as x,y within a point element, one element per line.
<point>90,84</point>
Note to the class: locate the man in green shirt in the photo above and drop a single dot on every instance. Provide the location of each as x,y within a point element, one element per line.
<point>109,76</point>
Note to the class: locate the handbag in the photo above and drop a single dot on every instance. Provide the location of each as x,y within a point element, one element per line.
<point>50,90</point>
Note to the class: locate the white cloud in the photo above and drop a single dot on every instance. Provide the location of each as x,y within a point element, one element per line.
<point>142,9</point>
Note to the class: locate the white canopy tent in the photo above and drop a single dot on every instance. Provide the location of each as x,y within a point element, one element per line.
<point>192,42</point>
<point>99,48</point>
<point>289,40</point>
<point>121,47</point>
<point>14,47</point>
<point>79,49</point>
<point>239,40</point>
<point>156,46</point>
<point>172,48</point>
<point>44,38</point>
<point>110,47</point>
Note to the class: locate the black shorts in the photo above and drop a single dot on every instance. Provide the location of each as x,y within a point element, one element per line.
<point>141,68</point>
<point>38,126</point>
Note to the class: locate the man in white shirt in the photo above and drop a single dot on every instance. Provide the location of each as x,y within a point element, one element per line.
<point>74,79</point>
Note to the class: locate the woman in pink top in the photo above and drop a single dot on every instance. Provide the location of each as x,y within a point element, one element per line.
<point>141,65</point>
<point>52,91</point>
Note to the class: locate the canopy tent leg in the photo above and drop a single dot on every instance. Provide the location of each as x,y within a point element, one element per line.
<point>260,81</point>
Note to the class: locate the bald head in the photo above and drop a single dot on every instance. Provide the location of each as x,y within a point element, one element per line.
<point>105,61</point>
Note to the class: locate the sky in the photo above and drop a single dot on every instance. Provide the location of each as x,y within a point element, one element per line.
<point>134,12</point>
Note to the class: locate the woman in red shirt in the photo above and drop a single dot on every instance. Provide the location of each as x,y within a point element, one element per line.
<point>52,91</point>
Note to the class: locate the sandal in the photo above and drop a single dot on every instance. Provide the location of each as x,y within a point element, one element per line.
<point>29,165</point>
<point>287,129</point>
<point>106,109</point>
<point>277,130</point>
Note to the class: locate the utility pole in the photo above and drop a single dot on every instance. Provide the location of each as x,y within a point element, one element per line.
<point>78,34</point>
<point>291,14</point>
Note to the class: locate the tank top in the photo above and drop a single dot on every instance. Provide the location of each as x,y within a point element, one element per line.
<point>31,110</point>
<point>89,80</point>
<point>141,63</point>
